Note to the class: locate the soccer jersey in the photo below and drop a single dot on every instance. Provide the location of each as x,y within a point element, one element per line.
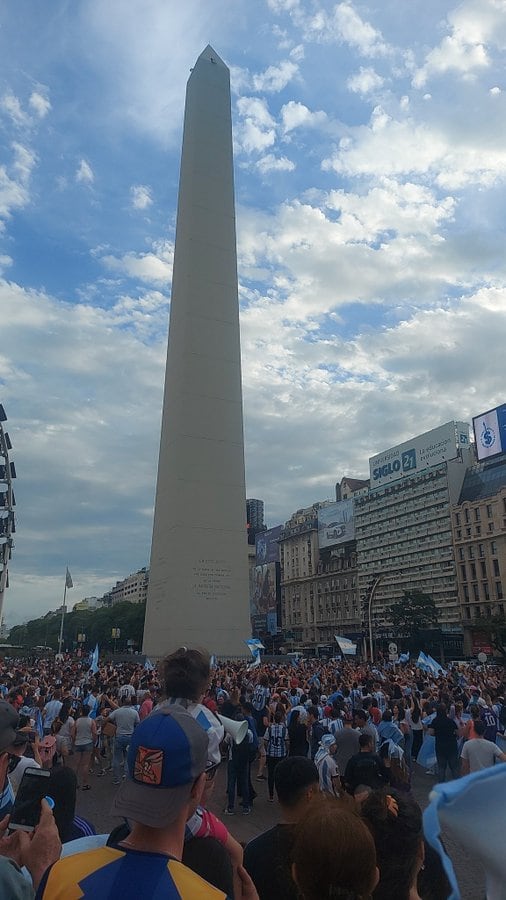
<point>109,873</point>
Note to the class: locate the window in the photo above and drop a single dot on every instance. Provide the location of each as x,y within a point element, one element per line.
<point>466,515</point>
<point>466,592</point>
<point>489,511</point>
<point>477,515</point>
<point>483,568</point>
<point>493,548</point>
<point>495,563</point>
<point>486,592</point>
<point>461,553</point>
<point>498,590</point>
<point>491,527</point>
<point>477,530</point>
<point>473,572</point>
<point>468,531</point>
<point>463,573</point>
<point>476,592</point>
<point>457,518</point>
<point>481,550</point>
<point>471,552</point>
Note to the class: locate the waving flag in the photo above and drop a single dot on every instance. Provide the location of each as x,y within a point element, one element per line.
<point>471,809</point>
<point>148,665</point>
<point>404,657</point>
<point>255,645</point>
<point>94,660</point>
<point>347,647</point>
<point>68,579</point>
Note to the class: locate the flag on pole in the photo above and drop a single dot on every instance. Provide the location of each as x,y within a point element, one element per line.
<point>347,647</point>
<point>255,645</point>
<point>68,579</point>
<point>94,660</point>
<point>148,665</point>
<point>213,662</point>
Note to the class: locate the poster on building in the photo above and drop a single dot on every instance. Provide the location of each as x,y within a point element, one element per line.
<point>263,597</point>
<point>267,545</point>
<point>490,432</point>
<point>336,524</point>
<point>421,452</point>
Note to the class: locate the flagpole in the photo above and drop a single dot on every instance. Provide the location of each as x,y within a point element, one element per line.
<point>60,639</point>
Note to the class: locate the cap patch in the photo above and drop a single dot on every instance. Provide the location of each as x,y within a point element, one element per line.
<point>148,765</point>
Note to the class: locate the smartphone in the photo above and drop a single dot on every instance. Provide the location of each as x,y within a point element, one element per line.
<point>25,813</point>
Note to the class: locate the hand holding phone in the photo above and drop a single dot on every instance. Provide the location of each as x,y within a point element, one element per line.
<point>25,813</point>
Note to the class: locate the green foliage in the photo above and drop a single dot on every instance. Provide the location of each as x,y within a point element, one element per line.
<point>494,628</point>
<point>414,613</point>
<point>95,624</point>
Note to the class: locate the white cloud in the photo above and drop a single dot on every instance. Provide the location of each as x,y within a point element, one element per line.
<point>84,173</point>
<point>14,181</point>
<point>153,268</point>
<point>453,54</point>
<point>364,81</point>
<point>352,29</point>
<point>272,163</point>
<point>296,115</point>
<point>142,196</point>
<point>495,90</point>
<point>256,130</point>
<point>39,102</point>
<point>275,78</point>
<point>11,105</point>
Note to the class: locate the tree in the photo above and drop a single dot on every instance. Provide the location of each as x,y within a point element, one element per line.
<point>95,624</point>
<point>494,629</point>
<point>416,612</point>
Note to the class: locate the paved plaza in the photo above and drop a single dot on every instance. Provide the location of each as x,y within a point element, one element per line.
<point>95,805</point>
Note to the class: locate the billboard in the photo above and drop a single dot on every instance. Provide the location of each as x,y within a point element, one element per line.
<point>428,449</point>
<point>263,598</point>
<point>336,524</point>
<point>267,546</point>
<point>490,432</point>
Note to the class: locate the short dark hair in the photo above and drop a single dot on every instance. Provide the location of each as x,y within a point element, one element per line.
<point>361,714</point>
<point>479,727</point>
<point>313,711</point>
<point>186,673</point>
<point>365,740</point>
<point>292,777</point>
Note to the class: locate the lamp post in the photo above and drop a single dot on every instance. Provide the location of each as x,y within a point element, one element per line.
<point>369,599</point>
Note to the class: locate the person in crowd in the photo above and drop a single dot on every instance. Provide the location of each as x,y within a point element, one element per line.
<point>9,720</point>
<point>444,730</point>
<point>51,711</point>
<point>389,730</point>
<point>125,718</point>
<point>62,788</point>
<point>333,853</point>
<point>480,753</point>
<point>347,743</point>
<point>84,734</point>
<point>20,760</point>
<point>239,755</point>
<point>325,762</point>
<point>62,729</point>
<point>395,822</point>
<point>297,733</point>
<point>276,742</point>
<point>36,852</point>
<point>415,715</point>
<point>167,760</point>
<point>315,730</point>
<point>366,767</point>
<point>267,857</point>
<point>365,726</point>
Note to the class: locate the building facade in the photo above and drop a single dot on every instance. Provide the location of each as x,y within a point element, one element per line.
<point>479,535</point>
<point>319,595</point>
<point>133,589</point>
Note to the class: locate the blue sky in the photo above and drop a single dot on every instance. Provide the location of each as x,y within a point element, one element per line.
<point>370,182</point>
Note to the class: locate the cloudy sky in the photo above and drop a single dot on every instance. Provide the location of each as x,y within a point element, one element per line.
<point>370,153</point>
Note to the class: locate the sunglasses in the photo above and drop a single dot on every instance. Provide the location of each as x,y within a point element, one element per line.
<point>211,771</point>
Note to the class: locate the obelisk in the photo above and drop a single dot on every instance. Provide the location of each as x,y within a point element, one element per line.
<point>198,580</point>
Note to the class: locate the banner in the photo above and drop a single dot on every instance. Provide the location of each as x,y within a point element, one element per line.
<point>347,647</point>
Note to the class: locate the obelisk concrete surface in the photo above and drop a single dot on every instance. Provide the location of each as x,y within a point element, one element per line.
<point>198,580</point>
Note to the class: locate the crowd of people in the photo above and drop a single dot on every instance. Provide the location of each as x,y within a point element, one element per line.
<point>335,744</point>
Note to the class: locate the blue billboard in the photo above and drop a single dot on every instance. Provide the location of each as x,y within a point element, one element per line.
<point>490,432</point>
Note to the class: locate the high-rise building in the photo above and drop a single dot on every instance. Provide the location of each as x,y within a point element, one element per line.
<point>198,586</point>
<point>255,514</point>
<point>404,529</point>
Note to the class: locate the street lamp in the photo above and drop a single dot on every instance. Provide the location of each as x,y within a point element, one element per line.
<point>369,600</point>
<point>115,634</point>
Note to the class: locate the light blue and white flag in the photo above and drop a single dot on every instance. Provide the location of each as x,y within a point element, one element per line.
<point>471,810</point>
<point>347,647</point>
<point>255,645</point>
<point>423,662</point>
<point>94,660</point>
<point>213,662</point>
<point>436,667</point>
<point>404,657</point>
<point>148,665</point>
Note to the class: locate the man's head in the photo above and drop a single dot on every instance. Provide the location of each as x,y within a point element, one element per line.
<point>360,718</point>
<point>479,728</point>
<point>166,762</point>
<point>328,742</point>
<point>186,673</point>
<point>365,743</point>
<point>348,720</point>
<point>295,780</point>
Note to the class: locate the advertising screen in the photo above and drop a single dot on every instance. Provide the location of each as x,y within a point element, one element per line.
<point>490,432</point>
<point>266,545</point>
<point>336,524</point>
<point>421,452</point>
<point>263,597</point>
